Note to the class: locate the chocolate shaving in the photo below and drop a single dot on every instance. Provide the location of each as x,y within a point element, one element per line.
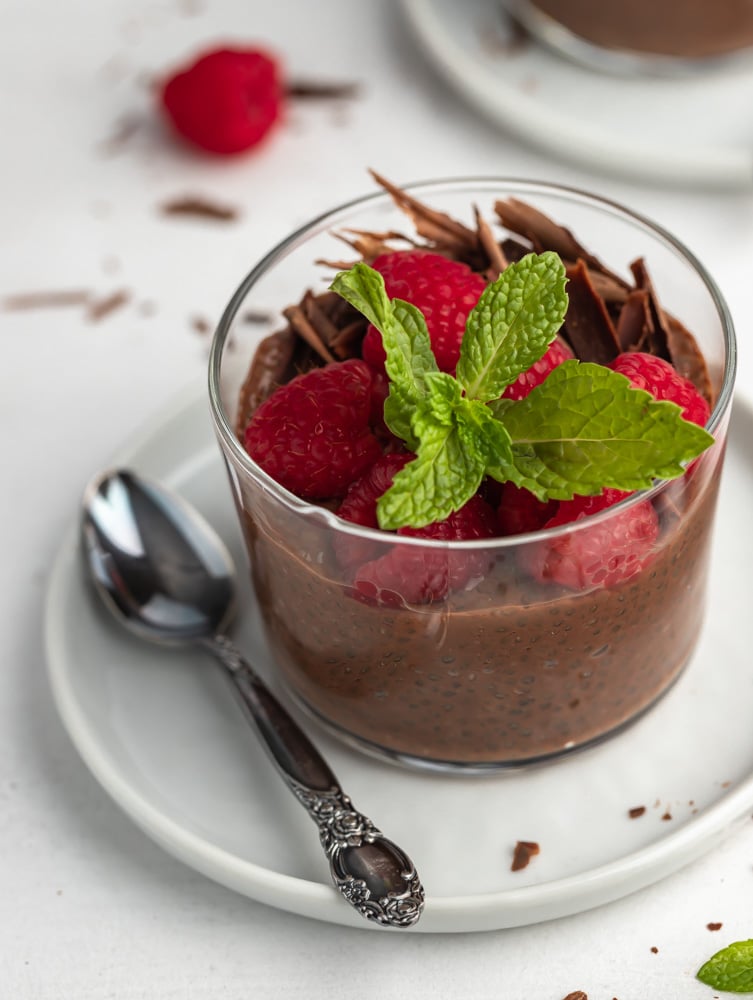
<point>634,320</point>
<point>317,90</point>
<point>576,995</point>
<point>441,229</point>
<point>543,233</point>
<point>588,327</point>
<point>524,851</point>
<point>657,340</point>
<point>497,260</point>
<point>714,926</point>
<point>296,315</point>
<point>370,245</point>
<point>46,299</point>
<point>199,207</point>
<point>636,812</point>
<point>103,307</point>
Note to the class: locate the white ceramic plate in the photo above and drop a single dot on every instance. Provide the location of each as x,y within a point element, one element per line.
<point>695,129</point>
<point>164,736</point>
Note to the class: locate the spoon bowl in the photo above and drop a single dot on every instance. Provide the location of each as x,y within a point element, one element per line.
<point>165,575</point>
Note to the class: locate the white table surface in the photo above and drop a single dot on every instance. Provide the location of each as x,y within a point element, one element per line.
<point>89,906</point>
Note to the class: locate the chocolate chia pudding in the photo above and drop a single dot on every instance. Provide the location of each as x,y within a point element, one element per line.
<point>503,666</point>
<point>683,29</point>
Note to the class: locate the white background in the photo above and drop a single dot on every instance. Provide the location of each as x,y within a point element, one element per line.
<point>89,907</point>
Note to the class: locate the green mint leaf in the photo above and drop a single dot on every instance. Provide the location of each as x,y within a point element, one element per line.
<point>513,323</point>
<point>442,477</point>
<point>456,437</point>
<point>586,428</point>
<point>730,969</point>
<point>405,338</point>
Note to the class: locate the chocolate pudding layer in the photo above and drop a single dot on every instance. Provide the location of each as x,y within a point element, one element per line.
<point>504,672</point>
<point>687,29</point>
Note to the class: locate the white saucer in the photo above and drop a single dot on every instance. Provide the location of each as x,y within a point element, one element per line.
<point>692,129</point>
<point>164,736</point>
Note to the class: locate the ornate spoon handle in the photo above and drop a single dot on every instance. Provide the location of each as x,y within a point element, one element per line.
<point>372,873</point>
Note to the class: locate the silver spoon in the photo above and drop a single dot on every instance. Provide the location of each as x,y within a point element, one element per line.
<point>167,577</point>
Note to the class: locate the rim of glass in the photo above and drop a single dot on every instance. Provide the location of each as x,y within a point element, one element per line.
<point>330,218</point>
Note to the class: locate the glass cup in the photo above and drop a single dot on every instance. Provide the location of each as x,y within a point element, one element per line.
<point>499,669</point>
<point>653,37</point>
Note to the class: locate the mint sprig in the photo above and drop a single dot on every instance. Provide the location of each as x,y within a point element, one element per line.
<point>584,429</point>
<point>730,969</point>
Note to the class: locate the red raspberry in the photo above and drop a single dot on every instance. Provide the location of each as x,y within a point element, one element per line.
<point>312,435</point>
<point>603,555</point>
<point>226,101</point>
<point>444,290</point>
<point>360,507</point>
<point>556,353</point>
<point>520,511</point>
<point>360,502</point>
<point>418,574</point>
<point>659,378</point>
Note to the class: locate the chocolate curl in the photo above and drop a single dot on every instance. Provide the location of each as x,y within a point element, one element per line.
<point>545,234</point>
<point>634,320</point>
<point>441,229</point>
<point>497,260</point>
<point>368,245</point>
<point>541,231</point>
<point>657,339</point>
<point>588,326</point>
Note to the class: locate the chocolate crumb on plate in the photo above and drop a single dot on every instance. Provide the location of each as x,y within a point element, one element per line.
<point>667,815</point>
<point>654,949</point>
<point>522,854</point>
<point>636,811</point>
<point>714,926</point>
<point>199,207</point>
<point>576,995</point>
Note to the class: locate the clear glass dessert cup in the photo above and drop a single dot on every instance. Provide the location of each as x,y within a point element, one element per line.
<point>498,670</point>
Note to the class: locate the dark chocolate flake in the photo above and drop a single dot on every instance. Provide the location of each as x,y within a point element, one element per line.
<point>588,326</point>
<point>46,299</point>
<point>636,812</point>
<point>199,207</point>
<point>522,854</point>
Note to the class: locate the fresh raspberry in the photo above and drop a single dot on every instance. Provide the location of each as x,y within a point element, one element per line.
<point>360,502</point>
<point>419,574</point>
<point>312,435</point>
<point>603,555</point>
<point>444,290</point>
<point>659,378</point>
<point>556,353</point>
<point>226,101</point>
<point>519,511</point>
<point>360,507</point>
